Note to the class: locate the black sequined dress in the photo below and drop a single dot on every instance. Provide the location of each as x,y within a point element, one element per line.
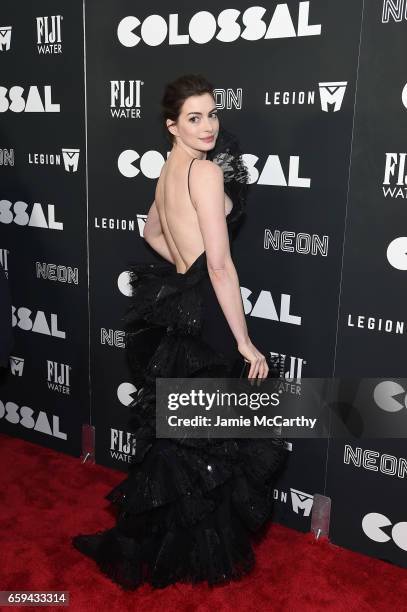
<point>188,507</point>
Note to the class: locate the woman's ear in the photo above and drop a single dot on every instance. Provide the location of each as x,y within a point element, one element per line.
<point>171,126</point>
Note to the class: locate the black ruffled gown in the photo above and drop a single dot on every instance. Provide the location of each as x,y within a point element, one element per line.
<point>188,507</point>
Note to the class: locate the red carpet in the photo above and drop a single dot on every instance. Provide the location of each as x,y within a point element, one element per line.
<point>47,497</point>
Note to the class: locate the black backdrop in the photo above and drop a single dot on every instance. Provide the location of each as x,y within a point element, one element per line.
<point>316,92</point>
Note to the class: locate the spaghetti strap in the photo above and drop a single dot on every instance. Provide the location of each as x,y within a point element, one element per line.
<point>189,191</point>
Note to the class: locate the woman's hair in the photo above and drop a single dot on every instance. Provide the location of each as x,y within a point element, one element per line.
<point>177,92</point>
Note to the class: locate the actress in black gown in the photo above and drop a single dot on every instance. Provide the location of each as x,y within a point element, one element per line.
<point>188,508</point>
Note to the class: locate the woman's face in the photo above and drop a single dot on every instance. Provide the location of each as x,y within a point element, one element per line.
<point>197,121</point>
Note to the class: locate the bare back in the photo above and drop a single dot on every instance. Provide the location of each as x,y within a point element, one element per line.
<point>178,216</point>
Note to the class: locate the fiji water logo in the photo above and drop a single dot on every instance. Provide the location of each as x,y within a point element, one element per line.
<point>122,445</point>
<point>125,99</point>
<point>58,377</point>
<point>49,37</point>
<point>4,260</point>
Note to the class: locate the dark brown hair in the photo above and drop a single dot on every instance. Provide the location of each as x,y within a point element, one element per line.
<point>175,94</point>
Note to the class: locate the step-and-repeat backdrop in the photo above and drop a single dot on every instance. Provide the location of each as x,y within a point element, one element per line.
<point>316,93</point>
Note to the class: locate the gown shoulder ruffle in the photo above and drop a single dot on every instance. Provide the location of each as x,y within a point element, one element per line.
<point>188,507</point>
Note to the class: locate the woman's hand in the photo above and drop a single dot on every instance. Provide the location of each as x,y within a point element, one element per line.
<point>258,364</point>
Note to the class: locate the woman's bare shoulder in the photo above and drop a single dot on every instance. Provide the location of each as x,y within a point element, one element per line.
<point>206,169</point>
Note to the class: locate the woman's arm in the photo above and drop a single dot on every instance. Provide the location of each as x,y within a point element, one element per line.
<point>154,236</point>
<point>207,192</point>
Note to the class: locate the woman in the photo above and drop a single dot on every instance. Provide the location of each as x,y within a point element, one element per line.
<point>188,506</point>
